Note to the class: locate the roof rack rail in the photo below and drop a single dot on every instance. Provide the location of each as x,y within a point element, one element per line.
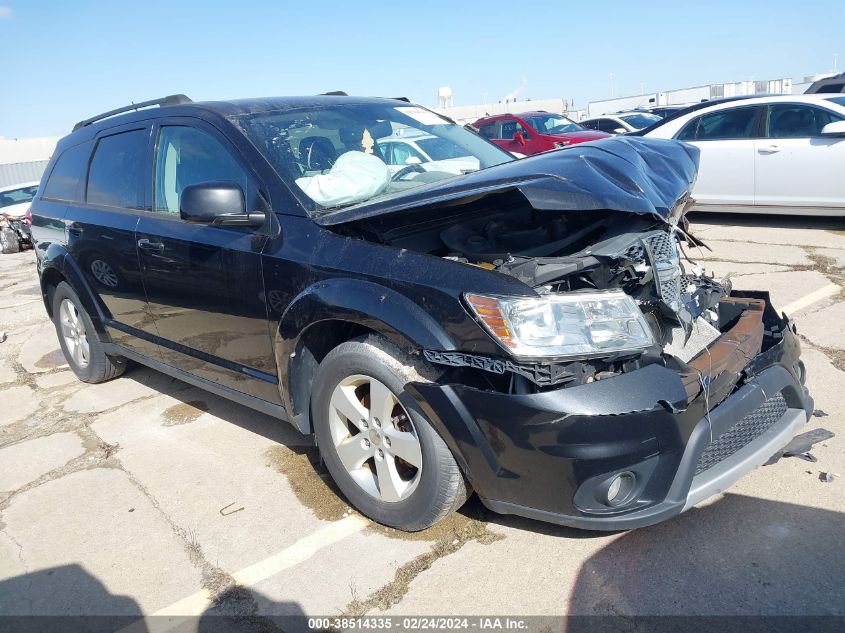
<point>164,101</point>
<point>333,93</point>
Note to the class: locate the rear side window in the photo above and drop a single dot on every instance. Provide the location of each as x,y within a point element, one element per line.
<point>64,180</point>
<point>609,125</point>
<point>116,175</point>
<point>509,128</point>
<point>590,125</point>
<point>488,131</point>
<point>731,123</point>
<point>797,121</point>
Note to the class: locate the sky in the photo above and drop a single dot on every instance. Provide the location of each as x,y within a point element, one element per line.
<point>62,61</point>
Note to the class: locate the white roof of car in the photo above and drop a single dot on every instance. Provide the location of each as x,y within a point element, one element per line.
<point>406,137</point>
<point>20,185</point>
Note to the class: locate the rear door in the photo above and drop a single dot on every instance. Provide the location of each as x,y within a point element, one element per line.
<point>204,283</point>
<point>726,138</point>
<point>794,164</point>
<point>101,233</point>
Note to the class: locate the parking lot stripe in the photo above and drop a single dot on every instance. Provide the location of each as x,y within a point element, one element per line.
<point>810,299</point>
<point>195,604</point>
<point>300,551</point>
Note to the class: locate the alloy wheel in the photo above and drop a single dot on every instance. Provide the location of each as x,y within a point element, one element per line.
<point>73,331</point>
<point>374,438</point>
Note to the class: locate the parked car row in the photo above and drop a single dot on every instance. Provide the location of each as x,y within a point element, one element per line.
<point>759,154</point>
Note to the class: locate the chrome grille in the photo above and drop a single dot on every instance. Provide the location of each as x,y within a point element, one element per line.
<point>743,432</point>
<point>661,245</point>
<point>663,252</point>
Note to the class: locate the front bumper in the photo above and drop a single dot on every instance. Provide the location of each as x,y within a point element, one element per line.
<point>551,455</point>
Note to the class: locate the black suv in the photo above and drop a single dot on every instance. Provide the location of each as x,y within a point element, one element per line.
<point>527,329</point>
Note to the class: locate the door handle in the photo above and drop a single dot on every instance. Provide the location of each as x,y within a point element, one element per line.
<point>768,149</point>
<point>146,245</point>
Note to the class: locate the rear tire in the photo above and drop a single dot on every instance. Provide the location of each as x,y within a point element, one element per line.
<point>9,241</point>
<point>79,341</point>
<point>392,466</point>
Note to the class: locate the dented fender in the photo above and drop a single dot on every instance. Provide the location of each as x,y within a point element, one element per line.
<point>357,301</point>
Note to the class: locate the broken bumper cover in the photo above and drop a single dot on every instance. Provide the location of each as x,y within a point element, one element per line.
<point>552,456</point>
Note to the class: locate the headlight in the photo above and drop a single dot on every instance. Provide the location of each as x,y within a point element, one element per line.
<point>572,324</point>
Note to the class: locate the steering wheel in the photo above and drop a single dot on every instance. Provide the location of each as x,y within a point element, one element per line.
<point>410,169</point>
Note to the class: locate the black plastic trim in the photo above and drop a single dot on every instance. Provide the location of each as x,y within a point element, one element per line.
<point>274,410</point>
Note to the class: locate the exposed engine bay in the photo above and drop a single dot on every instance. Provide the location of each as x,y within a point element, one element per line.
<point>555,252</point>
<point>604,222</point>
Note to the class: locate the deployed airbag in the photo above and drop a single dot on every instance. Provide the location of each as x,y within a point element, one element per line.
<point>355,176</point>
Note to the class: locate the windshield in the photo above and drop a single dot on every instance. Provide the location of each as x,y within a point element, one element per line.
<point>347,153</point>
<point>17,196</point>
<point>640,120</point>
<point>552,124</point>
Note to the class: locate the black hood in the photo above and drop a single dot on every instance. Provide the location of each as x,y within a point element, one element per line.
<point>626,174</point>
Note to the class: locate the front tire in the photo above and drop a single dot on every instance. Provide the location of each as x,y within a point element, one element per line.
<point>388,460</point>
<point>78,339</point>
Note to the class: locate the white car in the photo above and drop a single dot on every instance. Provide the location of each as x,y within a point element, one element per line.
<point>14,203</point>
<point>776,154</point>
<point>432,153</point>
<point>620,122</point>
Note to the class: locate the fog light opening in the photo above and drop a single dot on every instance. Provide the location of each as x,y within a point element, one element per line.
<point>620,488</point>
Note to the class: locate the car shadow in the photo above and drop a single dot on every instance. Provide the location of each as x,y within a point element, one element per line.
<point>739,555</point>
<point>273,429</point>
<point>70,598</point>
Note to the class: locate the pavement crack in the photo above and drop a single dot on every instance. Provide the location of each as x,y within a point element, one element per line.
<point>214,579</point>
<point>17,543</point>
<point>393,592</point>
<point>835,356</point>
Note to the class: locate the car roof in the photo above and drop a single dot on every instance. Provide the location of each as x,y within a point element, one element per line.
<point>615,115</point>
<point>235,107</point>
<point>20,185</point>
<point>494,117</point>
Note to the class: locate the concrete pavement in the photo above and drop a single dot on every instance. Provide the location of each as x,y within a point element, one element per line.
<point>136,495</point>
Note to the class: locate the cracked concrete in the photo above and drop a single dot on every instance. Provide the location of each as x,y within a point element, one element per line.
<point>112,496</point>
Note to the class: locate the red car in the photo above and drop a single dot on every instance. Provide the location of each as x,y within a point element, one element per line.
<point>534,132</point>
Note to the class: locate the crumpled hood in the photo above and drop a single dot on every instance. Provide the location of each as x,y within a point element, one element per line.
<point>626,174</point>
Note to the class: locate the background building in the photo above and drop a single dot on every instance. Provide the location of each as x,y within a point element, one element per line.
<point>24,160</point>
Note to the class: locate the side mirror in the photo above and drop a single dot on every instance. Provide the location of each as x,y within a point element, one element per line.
<point>519,139</point>
<point>218,204</point>
<point>837,128</point>
<point>413,160</point>
<point>620,130</point>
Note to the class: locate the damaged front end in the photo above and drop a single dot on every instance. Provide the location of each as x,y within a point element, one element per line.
<point>630,384</point>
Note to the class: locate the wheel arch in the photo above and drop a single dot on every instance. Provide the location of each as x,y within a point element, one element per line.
<point>58,266</point>
<point>332,312</point>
